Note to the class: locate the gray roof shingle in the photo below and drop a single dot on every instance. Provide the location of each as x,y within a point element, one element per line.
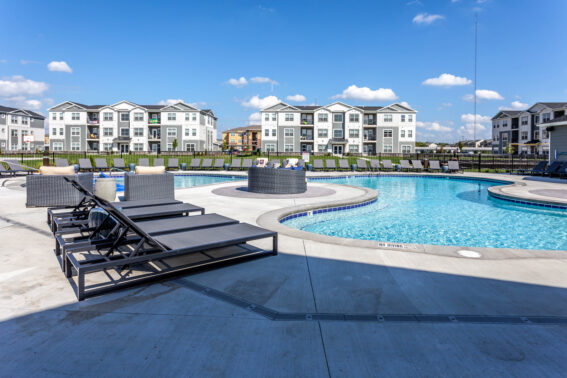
<point>8,109</point>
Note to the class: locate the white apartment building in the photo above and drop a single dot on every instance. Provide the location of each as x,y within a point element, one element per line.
<point>525,130</point>
<point>338,128</point>
<point>126,126</point>
<point>21,130</point>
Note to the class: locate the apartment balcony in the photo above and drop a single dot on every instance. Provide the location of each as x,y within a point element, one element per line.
<point>338,140</point>
<point>154,122</point>
<point>154,137</point>
<point>369,139</point>
<point>93,136</point>
<point>92,122</point>
<point>306,138</point>
<point>369,125</point>
<point>122,139</point>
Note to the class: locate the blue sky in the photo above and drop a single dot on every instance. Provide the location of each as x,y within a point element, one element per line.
<point>363,53</point>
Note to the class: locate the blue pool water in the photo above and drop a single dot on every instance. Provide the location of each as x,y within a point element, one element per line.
<point>186,181</point>
<point>441,211</point>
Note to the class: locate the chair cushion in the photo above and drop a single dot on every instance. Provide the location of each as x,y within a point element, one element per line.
<point>150,170</point>
<point>56,171</point>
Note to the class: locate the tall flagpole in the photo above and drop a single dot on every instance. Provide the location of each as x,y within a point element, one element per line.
<point>475,60</point>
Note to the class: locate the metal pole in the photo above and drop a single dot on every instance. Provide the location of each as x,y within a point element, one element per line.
<point>479,161</point>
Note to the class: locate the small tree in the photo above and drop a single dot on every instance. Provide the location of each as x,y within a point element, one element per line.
<point>460,146</point>
<point>509,149</point>
<point>174,144</point>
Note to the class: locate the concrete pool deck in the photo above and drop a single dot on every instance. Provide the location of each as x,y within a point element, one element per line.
<point>326,309</point>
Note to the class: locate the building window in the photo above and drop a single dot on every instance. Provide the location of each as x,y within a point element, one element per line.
<point>138,132</point>
<point>267,132</point>
<point>61,131</point>
<point>193,116</point>
<point>186,132</point>
<point>267,117</point>
<point>288,147</point>
<point>171,132</point>
<point>545,117</point>
<point>270,147</point>
<point>403,133</point>
<point>107,131</point>
<point>387,133</point>
<point>337,117</point>
<point>406,149</point>
<point>274,132</point>
<point>124,117</point>
<point>410,133</point>
<point>387,118</point>
<point>54,116</point>
<point>193,132</point>
<point>171,116</point>
<point>353,117</point>
<point>387,148</point>
<point>190,147</point>
<point>14,133</point>
<point>75,116</point>
<point>75,131</point>
<point>107,116</point>
<point>170,146</point>
<point>323,117</point>
<point>322,133</point>
<point>536,134</point>
<point>138,146</point>
<point>288,132</point>
<point>274,116</point>
<point>125,132</point>
<point>403,117</point>
<point>57,146</point>
<point>353,133</point>
<point>138,117</point>
<point>187,116</point>
<point>410,117</point>
<point>353,148</point>
<point>504,123</point>
<point>289,117</point>
<point>14,119</point>
<point>524,135</point>
<point>75,146</point>
<point>321,147</point>
<point>337,134</point>
<point>524,120</point>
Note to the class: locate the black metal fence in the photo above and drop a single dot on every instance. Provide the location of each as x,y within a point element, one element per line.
<point>471,162</point>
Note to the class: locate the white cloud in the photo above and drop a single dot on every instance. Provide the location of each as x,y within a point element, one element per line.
<point>447,80</point>
<point>484,94</point>
<point>33,104</point>
<point>238,82</point>
<point>468,131</point>
<point>3,61</point>
<point>366,94</point>
<point>20,86</point>
<point>59,67</point>
<point>515,105</point>
<point>433,126</point>
<point>198,104</point>
<point>25,103</point>
<point>170,101</point>
<point>296,98</point>
<point>426,18</point>
<point>469,118</point>
<point>405,103</point>
<point>445,105</point>
<point>254,118</point>
<point>263,80</point>
<point>256,102</point>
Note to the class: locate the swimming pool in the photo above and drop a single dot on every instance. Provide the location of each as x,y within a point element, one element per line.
<point>187,181</point>
<point>440,211</point>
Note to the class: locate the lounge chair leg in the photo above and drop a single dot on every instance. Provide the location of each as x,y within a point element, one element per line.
<point>80,285</point>
<point>67,268</point>
<point>275,245</point>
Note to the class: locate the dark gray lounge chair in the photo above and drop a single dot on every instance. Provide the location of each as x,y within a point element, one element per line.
<point>406,165</point>
<point>118,163</point>
<point>4,171</point>
<point>387,165</point>
<point>318,164</point>
<point>219,163</point>
<point>173,163</point>
<point>61,163</point>
<point>235,163</point>
<point>343,164</point>
<point>133,246</point>
<point>159,162</point>
<point>246,163</point>
<point>143,162</point>
<point>417,166</point>
<point>195,163</point>
<point>537,170</point>
<point>100,164</point>
<point>453,166</point>
<point>552,169</point>
<point>375,164</point>
<point>85,165</point>
<point>54,191</point>
<point>17,167</point>
<point>207,164</point>
<point>361,165</point>
<point>434,166</point>
<point>331,164</point>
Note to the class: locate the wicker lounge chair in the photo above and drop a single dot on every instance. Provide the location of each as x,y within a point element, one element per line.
<point>85,165</point>
<point>159,162</point>
<point>375,164</point>
<point>434,165</point>
<point>133,246</point>
<point>331,164</point>
<point>219,164</point>
<point>144,162</point>
<point>453,166</point>
<point>417,166</point>
<point>387,165</point>
<point>61,163</point>
<point>195,163</point>
<point>100,164</point>
<point>118,163</point>
<point>406,165</point>
<point>235,163</point>
<point>343,164</point>
<point>173,163</point>
<point>361,165</point>
<point>246,163</point>
<point>207,164</point>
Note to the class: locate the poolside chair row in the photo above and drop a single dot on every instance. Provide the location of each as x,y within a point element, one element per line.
<point>15,168</point>
<point>386,165</point>
<point>139,241</point>
<point>556,168</point>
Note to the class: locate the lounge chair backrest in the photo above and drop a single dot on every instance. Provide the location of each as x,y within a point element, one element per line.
<point>207,163</point>
<point>196,162</point>
<point>144,162</point>
<point>317,163</point>
<point>246,163</point>
<point>417,164</point>
<point>330,163</point>
<point>434,164</point>
<point>387,164</point>
<point>158,162</point>
<point>551,169</point>
<point>61,163</point>
<point>219,163</point>
<point>119,163</point>
<point>173,163</point>
<point>85,163</point>
<point>453,165</point>
<point>540,166</point>
<point>235,163</point>
<point>100,163</point>
<point>405,164</point>
<point>343,163</point>
<point>375,163</point>
<point>361,163</point>
<point>2,168</point>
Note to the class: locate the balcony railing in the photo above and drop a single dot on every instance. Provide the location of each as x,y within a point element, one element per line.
<point>92,121</point>
<point>369,124</point>
<point>154,121</point>
<point>369,138</point>
<point>92,136</point>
